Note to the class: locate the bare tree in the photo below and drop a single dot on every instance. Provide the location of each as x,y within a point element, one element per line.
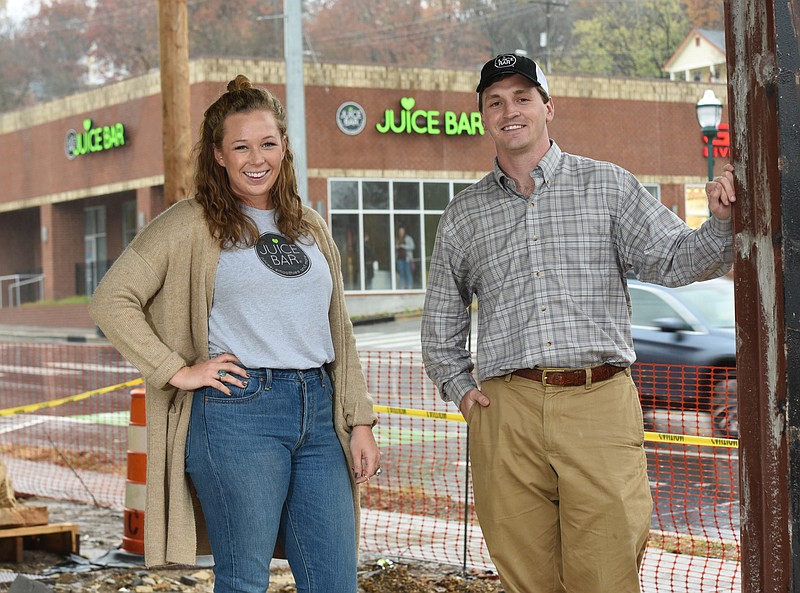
<point>54,44</point>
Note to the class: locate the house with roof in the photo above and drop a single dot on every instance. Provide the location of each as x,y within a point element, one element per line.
<point>699,58</point>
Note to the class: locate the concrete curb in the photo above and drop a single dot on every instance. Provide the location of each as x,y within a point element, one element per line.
<point>59,334</point>
<point>95,336</point>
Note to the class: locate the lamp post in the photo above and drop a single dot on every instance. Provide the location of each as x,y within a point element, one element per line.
<point>709,114</point>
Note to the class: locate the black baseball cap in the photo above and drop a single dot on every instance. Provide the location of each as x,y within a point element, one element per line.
<point>511,64</point>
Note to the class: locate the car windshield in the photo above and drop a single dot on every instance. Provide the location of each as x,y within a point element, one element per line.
<point>712,300</point>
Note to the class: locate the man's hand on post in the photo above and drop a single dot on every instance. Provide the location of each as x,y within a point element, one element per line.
<point>720,194</point>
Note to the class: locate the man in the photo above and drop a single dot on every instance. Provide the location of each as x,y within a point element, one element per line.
<point>556,437</point>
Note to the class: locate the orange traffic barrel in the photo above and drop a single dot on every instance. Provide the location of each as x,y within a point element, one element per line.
<point>133,538</point>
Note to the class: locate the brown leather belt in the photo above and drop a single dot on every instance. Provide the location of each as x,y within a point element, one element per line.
<point>568,377</point>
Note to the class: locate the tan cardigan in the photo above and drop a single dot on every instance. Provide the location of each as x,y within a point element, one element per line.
<point>153,305</point>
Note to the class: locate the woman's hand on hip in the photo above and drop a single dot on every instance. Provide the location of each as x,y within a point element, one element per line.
<point>215,372</point>
<point>366,456</point>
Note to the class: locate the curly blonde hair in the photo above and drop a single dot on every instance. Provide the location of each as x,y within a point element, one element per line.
<point>226,221</point>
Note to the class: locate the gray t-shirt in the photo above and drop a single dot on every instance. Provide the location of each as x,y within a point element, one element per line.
<point>271,301</point>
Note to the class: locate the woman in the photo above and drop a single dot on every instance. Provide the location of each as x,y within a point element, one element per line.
<point>404,255</point>
<point>231,305</point>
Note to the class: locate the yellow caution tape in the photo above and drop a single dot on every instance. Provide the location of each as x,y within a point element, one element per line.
<point>686,439</point>
<point>65,400</point>
<point>657,437</point>
<point>451,416</point>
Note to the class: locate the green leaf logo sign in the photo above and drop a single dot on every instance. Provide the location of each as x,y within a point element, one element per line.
<point>93,139</point>
<point>409,120</point>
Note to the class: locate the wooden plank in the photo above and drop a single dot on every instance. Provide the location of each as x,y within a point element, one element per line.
<point>59,538</point>
<point>23,516</point>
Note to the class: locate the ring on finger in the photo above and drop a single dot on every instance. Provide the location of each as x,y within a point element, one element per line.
<point>222,372</point>
<point>378,471</point>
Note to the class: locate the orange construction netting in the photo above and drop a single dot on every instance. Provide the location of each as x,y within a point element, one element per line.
<point>65,423</point>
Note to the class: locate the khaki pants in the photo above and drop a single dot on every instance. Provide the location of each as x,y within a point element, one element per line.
<point>561,489</point>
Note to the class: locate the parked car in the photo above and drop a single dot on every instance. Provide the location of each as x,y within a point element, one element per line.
<point>691,327</point>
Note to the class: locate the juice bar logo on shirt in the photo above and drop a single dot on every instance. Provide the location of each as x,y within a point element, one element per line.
<point>93,139</point>
<point>420,121</point>
<point>284,258</point>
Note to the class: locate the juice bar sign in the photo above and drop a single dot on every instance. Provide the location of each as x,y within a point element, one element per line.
<point>410,120</point>
<point>93,139</point>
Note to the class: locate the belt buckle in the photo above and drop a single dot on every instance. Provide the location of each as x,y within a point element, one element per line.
<point>546,371</point>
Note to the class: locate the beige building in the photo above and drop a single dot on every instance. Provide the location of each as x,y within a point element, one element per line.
<point>699,58</point>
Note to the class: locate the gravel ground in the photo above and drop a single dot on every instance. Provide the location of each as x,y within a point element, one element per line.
<point>101,533</point>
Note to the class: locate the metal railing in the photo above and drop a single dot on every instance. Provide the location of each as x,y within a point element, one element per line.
<point>18,281</point>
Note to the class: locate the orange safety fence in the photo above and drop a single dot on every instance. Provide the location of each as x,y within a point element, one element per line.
<point>69,430</point>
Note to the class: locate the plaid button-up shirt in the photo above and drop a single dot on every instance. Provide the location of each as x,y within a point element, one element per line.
<point>549,269</point>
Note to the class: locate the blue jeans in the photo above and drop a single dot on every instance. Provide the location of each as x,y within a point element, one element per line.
<point>405,277</point>
<point>267,465</point>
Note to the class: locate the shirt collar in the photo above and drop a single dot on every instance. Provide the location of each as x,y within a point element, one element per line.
<point>550,161</point>
<point>547,165</point>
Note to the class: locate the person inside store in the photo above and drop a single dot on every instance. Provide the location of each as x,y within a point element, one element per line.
<point>369,262</point>
<point>231,304</point>
<point>404,255</point>
<point>544,242</point>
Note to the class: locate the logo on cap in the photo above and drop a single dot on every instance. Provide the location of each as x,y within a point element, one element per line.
<point>505,61</point>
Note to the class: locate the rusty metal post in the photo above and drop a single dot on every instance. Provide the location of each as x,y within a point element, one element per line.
<point>787,25</point>
<point>173,25</point>
<point>762,59</point>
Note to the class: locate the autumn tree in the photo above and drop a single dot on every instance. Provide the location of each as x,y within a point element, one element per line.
<point>123,38</point>
<point>244,28</point>
<point>437,33</point>
<point>54,43</point>
<point>706,14</point>
<point>538,27</point>
<point>70,45</point>
<point>635,39</point>
<point>387,32</point>
<point>16,88</point>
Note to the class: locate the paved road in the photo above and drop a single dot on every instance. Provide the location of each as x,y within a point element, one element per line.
<point>695,490</point>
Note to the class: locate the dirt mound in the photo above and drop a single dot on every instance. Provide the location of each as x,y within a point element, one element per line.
<point>101,532</point>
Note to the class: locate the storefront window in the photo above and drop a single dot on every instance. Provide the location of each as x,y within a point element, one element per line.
<point>344,228</point>
<point>696,205</point>
<point>344,195</point>
<point>385,230</point>
<point>376,195</point>
<point>406,195</point>
<point>377,252</point>
<point>436,195</point>
<point>128,222</point>
<point>94,240</point>
<point>655,190</point>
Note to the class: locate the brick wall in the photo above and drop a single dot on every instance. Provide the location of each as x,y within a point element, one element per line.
<point>61,316</point>
<point>646,126</point>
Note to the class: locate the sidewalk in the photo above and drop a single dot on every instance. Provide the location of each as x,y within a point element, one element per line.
<point>37,333</point>
<point>61,323</point>
<point>48,327</point>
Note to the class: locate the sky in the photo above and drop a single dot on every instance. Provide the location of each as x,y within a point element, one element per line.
<point>19,9</point>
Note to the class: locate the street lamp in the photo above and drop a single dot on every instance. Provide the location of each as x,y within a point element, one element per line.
<point>709,114</point>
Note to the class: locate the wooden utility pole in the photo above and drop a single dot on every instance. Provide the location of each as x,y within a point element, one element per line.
<point>173,26</point>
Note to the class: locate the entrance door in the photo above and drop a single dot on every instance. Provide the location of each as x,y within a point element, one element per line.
<point>94,246</point>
